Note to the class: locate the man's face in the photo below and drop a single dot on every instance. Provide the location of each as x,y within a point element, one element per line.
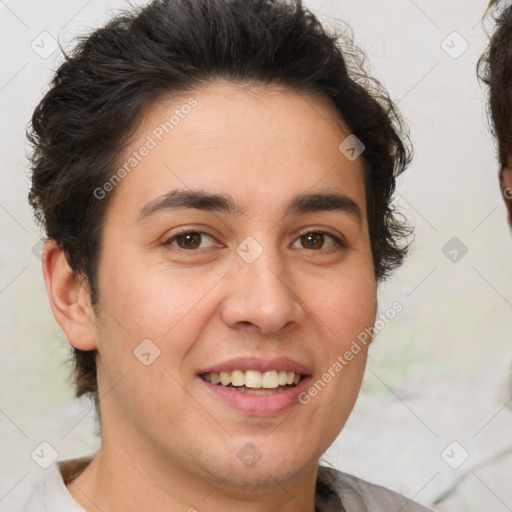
<point>259,289</point>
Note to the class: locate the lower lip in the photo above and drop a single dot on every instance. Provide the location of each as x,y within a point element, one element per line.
<point>258,405</point>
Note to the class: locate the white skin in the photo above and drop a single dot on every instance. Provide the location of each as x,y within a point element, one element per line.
<point>166,444</point>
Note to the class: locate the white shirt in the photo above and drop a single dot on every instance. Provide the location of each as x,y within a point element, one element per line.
<point>335,492</point>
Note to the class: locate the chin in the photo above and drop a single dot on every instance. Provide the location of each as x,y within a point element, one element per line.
<point>264,473</point>
<point>263,461</point>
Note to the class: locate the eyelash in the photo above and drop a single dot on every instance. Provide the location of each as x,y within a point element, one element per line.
<point>338,241</point>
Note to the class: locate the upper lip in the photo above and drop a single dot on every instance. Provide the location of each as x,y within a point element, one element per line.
<point>245,363</point>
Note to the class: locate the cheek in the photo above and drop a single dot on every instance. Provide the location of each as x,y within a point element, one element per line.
<point>149,316</point>
<point>347,305</point>
<point>150,301</point>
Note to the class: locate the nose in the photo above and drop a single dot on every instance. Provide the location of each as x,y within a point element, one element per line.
<point>260,296</point>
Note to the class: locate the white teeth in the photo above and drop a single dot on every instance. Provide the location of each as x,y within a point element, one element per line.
<point>237,378</point>
<point>270,380</point>
<point>225,378</point>
<point>253,379</point>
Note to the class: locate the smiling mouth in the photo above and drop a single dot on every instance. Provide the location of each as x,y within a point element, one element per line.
<point>254,382</point>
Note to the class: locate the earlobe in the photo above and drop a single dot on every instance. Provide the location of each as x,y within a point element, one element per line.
<point>68,298</point>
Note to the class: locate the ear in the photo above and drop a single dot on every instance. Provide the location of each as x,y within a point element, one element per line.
<point>69,298</point>
<point>506,189</point>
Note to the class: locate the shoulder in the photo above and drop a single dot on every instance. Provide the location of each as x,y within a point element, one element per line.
<point>51,494</point>
<point>358,495</point>
<point>35,502</point>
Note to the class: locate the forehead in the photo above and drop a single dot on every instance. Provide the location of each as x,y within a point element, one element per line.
<point>246,141</point>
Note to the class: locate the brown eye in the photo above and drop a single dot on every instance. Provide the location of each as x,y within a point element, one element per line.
<point>189,240</point>
<point>315,240</point>
<point>312,240</point>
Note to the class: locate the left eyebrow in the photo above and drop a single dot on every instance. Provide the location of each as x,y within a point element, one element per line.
<point>201,200</point>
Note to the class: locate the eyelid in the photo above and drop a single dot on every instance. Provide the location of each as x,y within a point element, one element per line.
<point>169,240</point>
<point>338,238</point>
<point>324,231</point>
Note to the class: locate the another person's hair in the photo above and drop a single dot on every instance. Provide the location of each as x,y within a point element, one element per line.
<point>495,70</point>
<point>107,83</point>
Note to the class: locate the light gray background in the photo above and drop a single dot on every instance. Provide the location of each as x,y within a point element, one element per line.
<point>438,373</point>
